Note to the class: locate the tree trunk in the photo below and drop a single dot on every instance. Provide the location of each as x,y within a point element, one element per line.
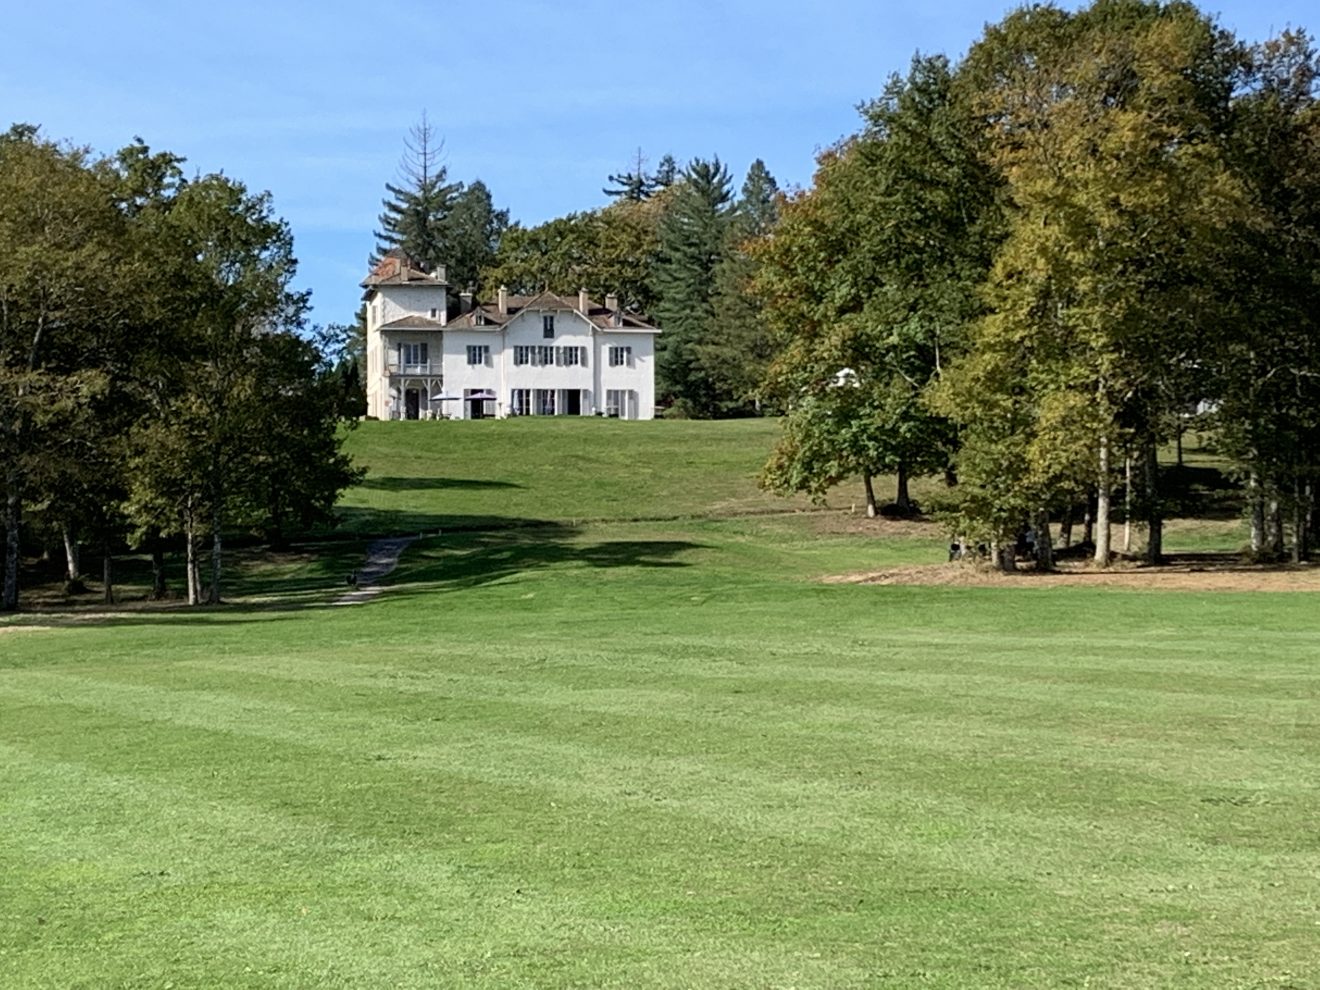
<point>190,558</point>
<point>1256,502</point>
<point>107,574</point>
<point>1102,507</point>
<point>1066,525</point>
<point>72,562</point>
<point>1154,506</point>
<point>158,588</point>
<point>1274,522</point>
<point>214,597</point>
<point>903,499</point>
<point>870,494</point>
<point>1178,437</point>
<point>1308,520</point>
<point>1298,522</point>
<point>1088,519</point>
<point>13,516</point>
<point>1044,542</point>
<point>1127,504</point>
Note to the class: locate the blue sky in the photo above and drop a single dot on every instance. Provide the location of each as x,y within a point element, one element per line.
<point>540,100</point>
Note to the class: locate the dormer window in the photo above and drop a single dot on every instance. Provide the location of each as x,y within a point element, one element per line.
<point>548,326</point>
<point>435,313</point>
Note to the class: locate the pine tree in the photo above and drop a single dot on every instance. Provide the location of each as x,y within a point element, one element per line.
<point>472,233</point>
<point>734,359</point>
<point>666,174</point>
<point>414,217</point>
<point>634,184</point>
<point>693,241</point>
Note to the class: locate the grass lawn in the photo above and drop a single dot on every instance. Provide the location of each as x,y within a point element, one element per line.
<point>661,753</point>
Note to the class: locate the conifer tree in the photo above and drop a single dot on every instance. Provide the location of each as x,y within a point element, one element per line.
<point>415,216</point>
<point>633,184</point>
<point>666,173</point>
<point>693,239</point>
<point>472,233</point>
<point>735,356</point>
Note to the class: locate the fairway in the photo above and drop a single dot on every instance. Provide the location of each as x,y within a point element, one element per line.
<point>641,744</point>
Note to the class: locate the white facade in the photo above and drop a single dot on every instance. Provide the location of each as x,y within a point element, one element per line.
<point>540,355</point>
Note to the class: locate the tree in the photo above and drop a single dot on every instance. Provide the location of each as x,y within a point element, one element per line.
<point>608,251</point>
<point>693,241</point>
<point>870,279</point>
<point>472,234</point>
<point>62,303</point>
<point>414,219</point>
<point>735,358</point>
<point>1105,125</point>
<point>293,464</point>
<point>666,174</point>
<point>194,463</point>
<point>1264,375</point>
<point>633,184</point>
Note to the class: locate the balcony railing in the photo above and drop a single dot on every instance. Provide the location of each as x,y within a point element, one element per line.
<point>422,368</point>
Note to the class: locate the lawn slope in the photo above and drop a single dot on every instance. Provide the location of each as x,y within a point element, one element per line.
<point>661,754</point>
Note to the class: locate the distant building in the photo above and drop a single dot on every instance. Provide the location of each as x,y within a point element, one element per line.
<point>431,353</point>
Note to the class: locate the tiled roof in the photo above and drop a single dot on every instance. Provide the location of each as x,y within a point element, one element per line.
<point>394,270</point>
<point>600,316</point>
<point>413,323</point>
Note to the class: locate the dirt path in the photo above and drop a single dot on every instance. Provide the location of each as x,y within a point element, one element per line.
<point>382,558</point>
<point>1186,573</point>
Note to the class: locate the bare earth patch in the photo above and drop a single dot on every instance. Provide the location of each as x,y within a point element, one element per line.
<point>1189,572</point>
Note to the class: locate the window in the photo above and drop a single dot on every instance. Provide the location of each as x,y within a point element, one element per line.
<point>615,402</point>
<point>548,326</point>
<point>545,355</point>
<point>412,357</point>
<point>620,357</point>
<point>520,402</point>
<point>478,354</point>
<point>435,313</point>
<point>570,357</point>
<point>545,402</point>
<point>522,354</point>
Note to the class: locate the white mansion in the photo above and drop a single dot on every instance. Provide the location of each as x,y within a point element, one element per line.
<point>542,355</point>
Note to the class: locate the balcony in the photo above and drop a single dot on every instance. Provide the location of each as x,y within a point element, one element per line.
<point>424,368</point>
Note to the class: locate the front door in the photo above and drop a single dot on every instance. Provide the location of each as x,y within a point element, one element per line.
<point>572,402</point>
<point>411,403</point>
<point>476,408</point>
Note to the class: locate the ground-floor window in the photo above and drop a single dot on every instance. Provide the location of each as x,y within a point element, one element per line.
<point>621,403</point>
<point>477,403</point>
<point>520,402</point>
<point>545,402</point>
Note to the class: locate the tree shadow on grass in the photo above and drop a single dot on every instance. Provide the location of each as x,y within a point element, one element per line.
<point>474,551</point>
<point>362,523</point>
<point>471,559</point>
<point>395,484</point>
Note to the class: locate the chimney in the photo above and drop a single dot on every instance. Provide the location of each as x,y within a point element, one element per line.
<point>584,303</point>
<point>465,302</point>
<point>616,314</point>
<point>439,273</point>
<point>504,300</point>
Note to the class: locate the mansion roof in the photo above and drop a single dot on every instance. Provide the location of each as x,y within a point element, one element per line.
<point>486,314</point>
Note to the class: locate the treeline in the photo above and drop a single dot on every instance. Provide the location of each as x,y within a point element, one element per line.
<point>1027,268</point>
<point>675,245</point>
<point>153,381</point>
